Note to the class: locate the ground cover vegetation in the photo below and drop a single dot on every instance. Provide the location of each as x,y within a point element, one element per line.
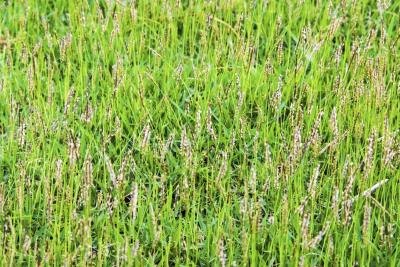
<point>199,133</point>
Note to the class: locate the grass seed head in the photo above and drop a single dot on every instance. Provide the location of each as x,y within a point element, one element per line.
<point>302,206</point>
<point>116,28</point>
<point>315,136</point>
<point>27,244</point>
<point>74,145</point>
<point>369,154</point>
<point>312,186</point>
<point>279,52</point>
<point>313,243</point>
<point>135,249</point>
<point>224,166</point>
<point>198,123</point>
<point>146,137</point>
<point>389,152</point>
<point>58,173</point>
<point>334,26</point>
<point>210,128</point>
<point>333,123</point>
<point>297,148</point>
<point>186,147</point>
<point>382,6</point>
<point>134,201</point>
<point>253,180</point>
<point>117,74</point>
<point>277,96</point>
<point>134,12</point>
<point>347,196</point>
<point>70,97</point>
<point>21,134</point>
<point>167,146</point>
<point>335,203</point>
<point>87,115</point>
<point>31,78</point>
<point>88,170</point>
<point>65,44</point>
<point>304,229</point>
<point>221,252</point>
<point>267,154</point>
<point>366,221</point>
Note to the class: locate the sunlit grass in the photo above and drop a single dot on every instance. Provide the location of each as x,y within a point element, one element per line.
<point>199,133</point>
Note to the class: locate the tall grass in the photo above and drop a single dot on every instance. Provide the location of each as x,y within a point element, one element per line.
<point>199,133</point>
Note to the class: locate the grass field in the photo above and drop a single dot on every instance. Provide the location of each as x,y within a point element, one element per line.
<point>199,133</point>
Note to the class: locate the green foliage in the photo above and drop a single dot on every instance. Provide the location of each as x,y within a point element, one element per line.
<point>199,133</point>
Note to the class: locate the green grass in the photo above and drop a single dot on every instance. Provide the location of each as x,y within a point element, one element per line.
<point>199,133</point>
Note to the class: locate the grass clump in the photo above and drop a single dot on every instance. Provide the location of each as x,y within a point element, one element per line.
<point>199,133</point>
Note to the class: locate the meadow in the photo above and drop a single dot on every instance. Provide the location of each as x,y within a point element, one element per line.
<point>199,133</point>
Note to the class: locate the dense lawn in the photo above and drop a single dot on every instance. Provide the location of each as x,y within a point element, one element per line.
<point>199,133</point>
